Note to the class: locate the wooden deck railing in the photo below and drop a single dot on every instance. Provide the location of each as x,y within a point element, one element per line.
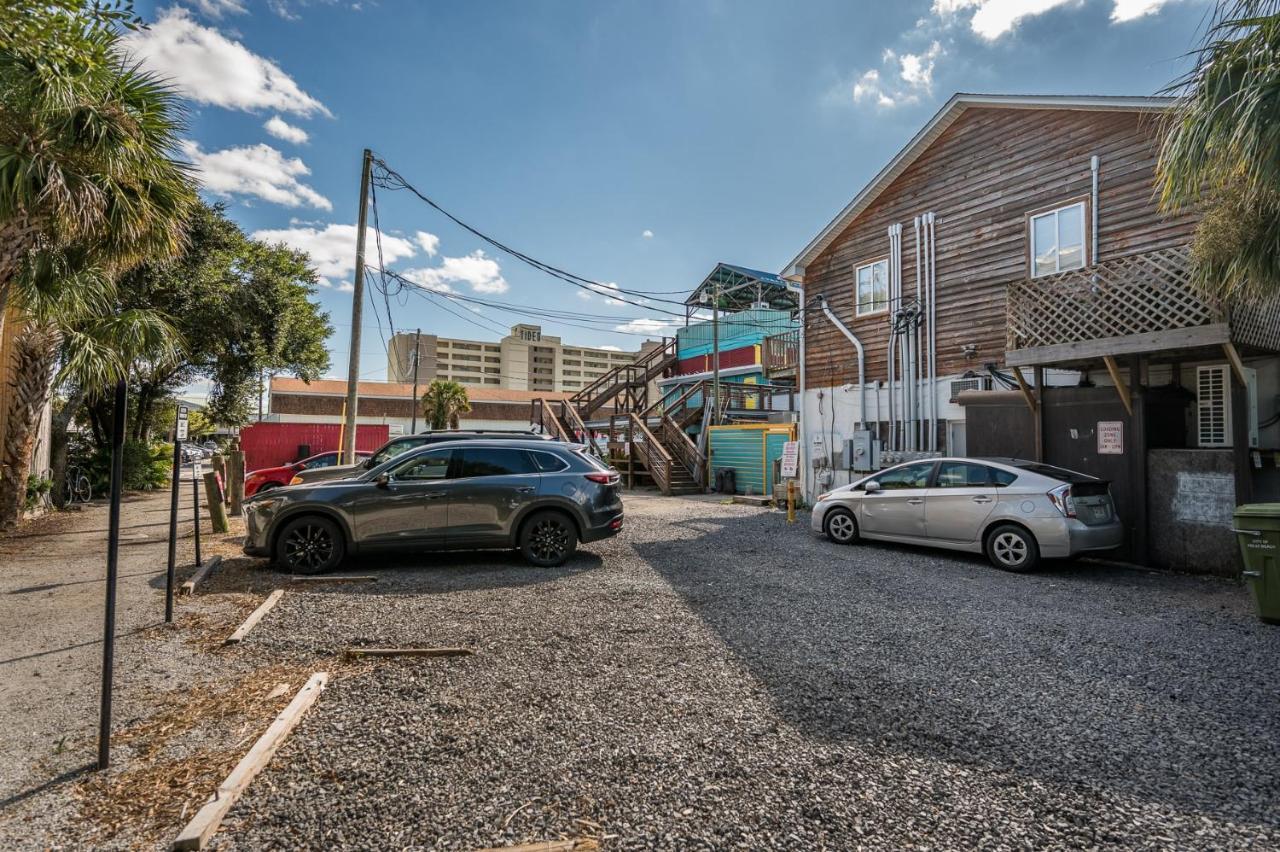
<point>781,352</point>
<point>1139,302</point>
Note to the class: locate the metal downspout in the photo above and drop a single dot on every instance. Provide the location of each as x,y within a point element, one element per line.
<point>862,360</point>
<point>800,369</point>
<point>933,334</point>
<point>1094,165</point>
<point>893,303</point>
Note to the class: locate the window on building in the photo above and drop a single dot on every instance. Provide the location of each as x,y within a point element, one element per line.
<point>1057,240</point>
<point>873,288</point>
<point>1213,406</point>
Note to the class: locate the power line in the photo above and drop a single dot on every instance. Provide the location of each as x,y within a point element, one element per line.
<point>393,180</point>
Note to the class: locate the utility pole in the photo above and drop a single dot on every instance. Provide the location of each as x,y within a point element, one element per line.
<point>715,353</point>
<point>348,450</point>
<point>417,355</point>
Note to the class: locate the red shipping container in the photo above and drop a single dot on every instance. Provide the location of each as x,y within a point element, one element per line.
<point>275,444</point>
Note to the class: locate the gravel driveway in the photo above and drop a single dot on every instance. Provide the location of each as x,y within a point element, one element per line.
<point>714,678</point>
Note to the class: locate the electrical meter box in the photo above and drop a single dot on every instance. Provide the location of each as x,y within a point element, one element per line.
<point>857,451</point>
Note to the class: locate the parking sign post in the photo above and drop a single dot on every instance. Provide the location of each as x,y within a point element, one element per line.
<point>179,435</point>
<point>195,506</point>
<point>113,554</point>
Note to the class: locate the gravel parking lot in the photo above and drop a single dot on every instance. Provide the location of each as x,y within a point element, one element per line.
<point>714,678</point>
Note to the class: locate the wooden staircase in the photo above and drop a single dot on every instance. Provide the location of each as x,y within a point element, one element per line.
<point>648,442</point>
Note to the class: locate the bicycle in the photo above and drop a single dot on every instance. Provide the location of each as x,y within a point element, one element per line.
<point>78,487</point>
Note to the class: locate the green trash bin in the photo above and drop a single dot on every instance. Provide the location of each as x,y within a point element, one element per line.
<point>1258,529</point>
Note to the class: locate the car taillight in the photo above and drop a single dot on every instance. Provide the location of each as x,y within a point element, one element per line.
<point>1062,500</point>
<point>602,478</point>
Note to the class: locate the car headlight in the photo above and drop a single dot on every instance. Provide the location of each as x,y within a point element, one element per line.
<point>266,506</point>
<point>822,497</point>
<point>297,480</point>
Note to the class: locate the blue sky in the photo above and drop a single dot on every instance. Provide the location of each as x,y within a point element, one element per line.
<point>629,142</point>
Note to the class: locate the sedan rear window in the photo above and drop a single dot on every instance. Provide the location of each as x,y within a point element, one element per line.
<point>1059,473</point>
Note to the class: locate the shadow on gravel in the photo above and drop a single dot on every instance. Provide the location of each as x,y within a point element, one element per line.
<point>1156,686</point>
<point>423,573</point>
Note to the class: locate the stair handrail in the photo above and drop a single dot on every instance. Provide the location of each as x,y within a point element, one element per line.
<point>589,397</point>
<point>657,458</point>
<point>544,411</point>
<point>684,397</point>
<point>682,446</point>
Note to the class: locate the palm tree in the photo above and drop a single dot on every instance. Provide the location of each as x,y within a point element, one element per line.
<point>73,335</point>
<point>443,403</point>
<point>87,143</point>
<point>1221,151</point>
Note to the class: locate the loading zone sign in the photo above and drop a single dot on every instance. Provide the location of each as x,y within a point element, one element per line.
<point>182,423</point>
<point>1111,437</point>
<point>790,459</point>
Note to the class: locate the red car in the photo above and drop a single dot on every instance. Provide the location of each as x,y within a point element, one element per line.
<point>274,477</point>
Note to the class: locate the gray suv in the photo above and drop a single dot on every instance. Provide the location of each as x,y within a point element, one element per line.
<point>540,497</point>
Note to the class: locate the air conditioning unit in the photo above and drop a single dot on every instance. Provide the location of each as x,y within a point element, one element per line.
<point>970,383</point>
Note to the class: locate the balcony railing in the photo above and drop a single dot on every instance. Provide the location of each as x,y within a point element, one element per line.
<point>1137,303</point>
<point>781,352</point>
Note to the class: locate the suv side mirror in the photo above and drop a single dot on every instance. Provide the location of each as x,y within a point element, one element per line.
<point>871,486</point>
<point>367,464</point>
<point>383,480</point>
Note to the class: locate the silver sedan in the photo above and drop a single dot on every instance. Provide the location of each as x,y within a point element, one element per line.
<point>1012,510</point>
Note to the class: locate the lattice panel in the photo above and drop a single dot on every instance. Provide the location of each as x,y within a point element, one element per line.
<point>1257,324</point>
<point>1135,294</point>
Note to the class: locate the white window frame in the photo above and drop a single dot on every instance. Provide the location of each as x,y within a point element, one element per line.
<point>871,309</point>
<point>1056,213</point>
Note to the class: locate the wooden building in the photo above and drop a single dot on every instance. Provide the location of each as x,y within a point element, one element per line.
<point>1007,285</point>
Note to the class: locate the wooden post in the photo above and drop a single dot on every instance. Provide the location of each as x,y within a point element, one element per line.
<point>1038,415</point>
<point>219,464</point>
<point>1137,445</point>
<point>1121,388</point>
<point>235,481</point>
<point>217,509</point>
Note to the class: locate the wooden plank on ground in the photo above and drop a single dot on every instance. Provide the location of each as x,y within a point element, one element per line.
<point>202,574</point>
<point>408,652</point>
<point>752,500</point>
<point>207,819</point>
<point>345,578</point>
<point>580,844</point>
<point>255,617</point>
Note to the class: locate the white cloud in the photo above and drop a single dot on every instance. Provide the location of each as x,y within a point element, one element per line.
<point>430,243</point>
<point>282,129</point>
<point>647,234</point>
<point>255,170</point>
<point>646,326</point>
<point>1130,10</point>
<point>210,68</point>
<point>479,272</point>
<point>995,18</point>
<point>607,290</point>
<point>333,247</point>
<point>346,287</point>
<point>217,8</point>
<point>917,68</point>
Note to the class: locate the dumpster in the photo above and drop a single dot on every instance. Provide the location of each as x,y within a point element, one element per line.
<point>1257,526</point>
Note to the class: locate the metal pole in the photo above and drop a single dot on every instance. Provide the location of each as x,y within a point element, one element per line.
<point>417,356</point>
<point>173,526</point>
<point>715,355</point>
<point>357,312</point>
<point>195,504</point>
<point>113,552</point>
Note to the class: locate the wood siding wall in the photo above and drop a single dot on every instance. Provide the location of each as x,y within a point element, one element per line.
<point>981,178</point>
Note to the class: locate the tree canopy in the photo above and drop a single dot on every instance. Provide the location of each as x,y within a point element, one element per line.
<point>242,306</point>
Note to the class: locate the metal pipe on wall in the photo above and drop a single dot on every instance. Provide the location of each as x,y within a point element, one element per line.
<point>933,333</point>
<point>892,308</point>
<point>862,361</point>
<point>1094,165</point>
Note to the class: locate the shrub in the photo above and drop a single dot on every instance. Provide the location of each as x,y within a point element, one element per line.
<point>146,467</point>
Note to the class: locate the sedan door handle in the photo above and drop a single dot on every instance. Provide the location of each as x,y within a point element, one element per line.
<point>527,489</point>
<point>431,495</point>
<point>915,500</point>
<point>982,499</point>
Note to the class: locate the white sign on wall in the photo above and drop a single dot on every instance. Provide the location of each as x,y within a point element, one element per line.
<point>1110,437</point>
<point>790,459</point>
